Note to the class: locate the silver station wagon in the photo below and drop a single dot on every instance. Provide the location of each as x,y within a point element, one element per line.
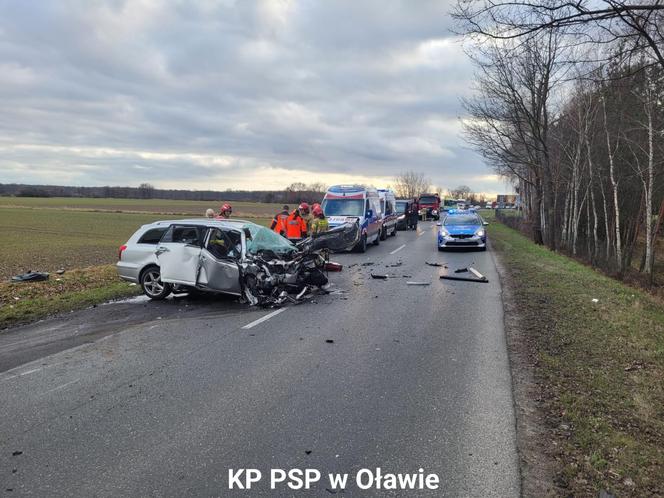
<point>197,253</point>
<point>228,256</point>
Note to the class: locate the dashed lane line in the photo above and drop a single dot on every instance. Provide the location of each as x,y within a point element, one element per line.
<point>263,319</point>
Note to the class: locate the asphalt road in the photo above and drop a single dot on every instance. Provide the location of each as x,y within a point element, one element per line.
<point>161,399</point>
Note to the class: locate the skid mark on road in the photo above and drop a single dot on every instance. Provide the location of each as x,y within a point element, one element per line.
<point>263,319</point>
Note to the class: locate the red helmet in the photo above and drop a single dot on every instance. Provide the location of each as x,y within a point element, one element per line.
<point>314,206</point>
<point>317,210</point>
<point>226,207</point>
<point>304,207</point>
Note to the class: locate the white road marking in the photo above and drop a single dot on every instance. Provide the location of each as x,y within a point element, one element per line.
<point>60,387</point>
<point>29,372</point>
<point>263,319</point>
<point>398,249</point>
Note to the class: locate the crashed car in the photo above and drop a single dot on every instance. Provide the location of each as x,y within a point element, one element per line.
<point>234,257</point>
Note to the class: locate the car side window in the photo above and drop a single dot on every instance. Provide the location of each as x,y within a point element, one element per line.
<point>389,207</point>
<point>152,236</point>
<point>224,244</point>
<point>375,205</point>
<point>181,234</point>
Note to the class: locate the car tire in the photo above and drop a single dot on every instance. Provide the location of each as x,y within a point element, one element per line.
<point>152,285</point>
<point>394,232</point>
<point>362,245</point>
<point>483,248</point>
<point>383,234</point>
<point>377,241</point>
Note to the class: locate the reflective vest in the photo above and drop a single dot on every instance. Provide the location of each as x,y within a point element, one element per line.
<point>279,223</point>
<point>296,227</point>
<point>319,225</point>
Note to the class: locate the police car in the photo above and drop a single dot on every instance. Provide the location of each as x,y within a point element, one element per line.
<point>462,228</point>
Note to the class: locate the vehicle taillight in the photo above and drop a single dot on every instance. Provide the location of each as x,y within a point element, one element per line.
<point>120,251</point>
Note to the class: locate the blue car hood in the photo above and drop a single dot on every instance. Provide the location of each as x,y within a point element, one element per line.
<point>462,229</point>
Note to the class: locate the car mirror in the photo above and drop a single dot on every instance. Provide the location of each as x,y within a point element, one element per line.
<point>485,223</point>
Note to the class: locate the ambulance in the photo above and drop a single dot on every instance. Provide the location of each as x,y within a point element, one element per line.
<point>348,203</point>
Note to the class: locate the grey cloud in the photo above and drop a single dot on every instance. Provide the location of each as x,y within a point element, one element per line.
<point>318,87</point>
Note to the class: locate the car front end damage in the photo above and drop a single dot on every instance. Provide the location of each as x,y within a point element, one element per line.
<point>270,278</point>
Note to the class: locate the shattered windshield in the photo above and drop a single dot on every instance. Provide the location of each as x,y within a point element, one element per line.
<point>264,239</point>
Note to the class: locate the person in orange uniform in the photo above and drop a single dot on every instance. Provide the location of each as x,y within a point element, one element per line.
<point>296,226</point>
<point>224,212</point>
<point>279,221</point>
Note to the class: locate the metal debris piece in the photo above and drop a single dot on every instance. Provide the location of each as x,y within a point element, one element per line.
<point>435,264</point>
<point>461,270</point>
<point>418,283</point>
<point>479,277</point>
<point>332,266</point>
<point>476,273</point>
<point>379,277</point>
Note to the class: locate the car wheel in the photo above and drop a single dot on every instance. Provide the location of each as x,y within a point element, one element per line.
<point>152,285</point>
<point>362,245</point>
<point>394,231</point>
<point>383,234</point>
<point>377,241</point>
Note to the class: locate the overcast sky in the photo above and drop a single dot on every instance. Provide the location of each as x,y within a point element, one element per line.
<point>232,94</point>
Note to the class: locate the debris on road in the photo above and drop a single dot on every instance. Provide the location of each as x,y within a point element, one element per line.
<point>478,276</point>
<point>394,265</point>
<point>418,283</point>
<point>436,264</point>
<point>329,341</point>
<point>332,266</point>
<point>595,300</point>
<point>31,276</point>
<point>60,271</point>
<point>379,276</point>
<point>476,273</point>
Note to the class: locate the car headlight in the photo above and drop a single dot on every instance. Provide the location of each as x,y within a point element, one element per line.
<point>480,232</point>
<point>444,233</point>
<point>434,211</point>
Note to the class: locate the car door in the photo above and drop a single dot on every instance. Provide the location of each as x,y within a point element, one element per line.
<point>179,254</point>
<point>222,252</point>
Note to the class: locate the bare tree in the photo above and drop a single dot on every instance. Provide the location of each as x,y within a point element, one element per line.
<point>460,192</point>
<point>637,25</point>
<point>410,184</point>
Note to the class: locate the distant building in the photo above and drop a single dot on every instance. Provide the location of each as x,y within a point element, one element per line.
<point>503,200</point>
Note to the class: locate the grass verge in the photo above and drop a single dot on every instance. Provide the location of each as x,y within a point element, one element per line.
<point>76,289</point>
<point>598,353</point>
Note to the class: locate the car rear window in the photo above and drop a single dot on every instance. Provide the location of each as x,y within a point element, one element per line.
<point>152,236</point>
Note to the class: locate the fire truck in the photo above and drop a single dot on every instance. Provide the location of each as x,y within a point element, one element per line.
<point>429,205</point>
